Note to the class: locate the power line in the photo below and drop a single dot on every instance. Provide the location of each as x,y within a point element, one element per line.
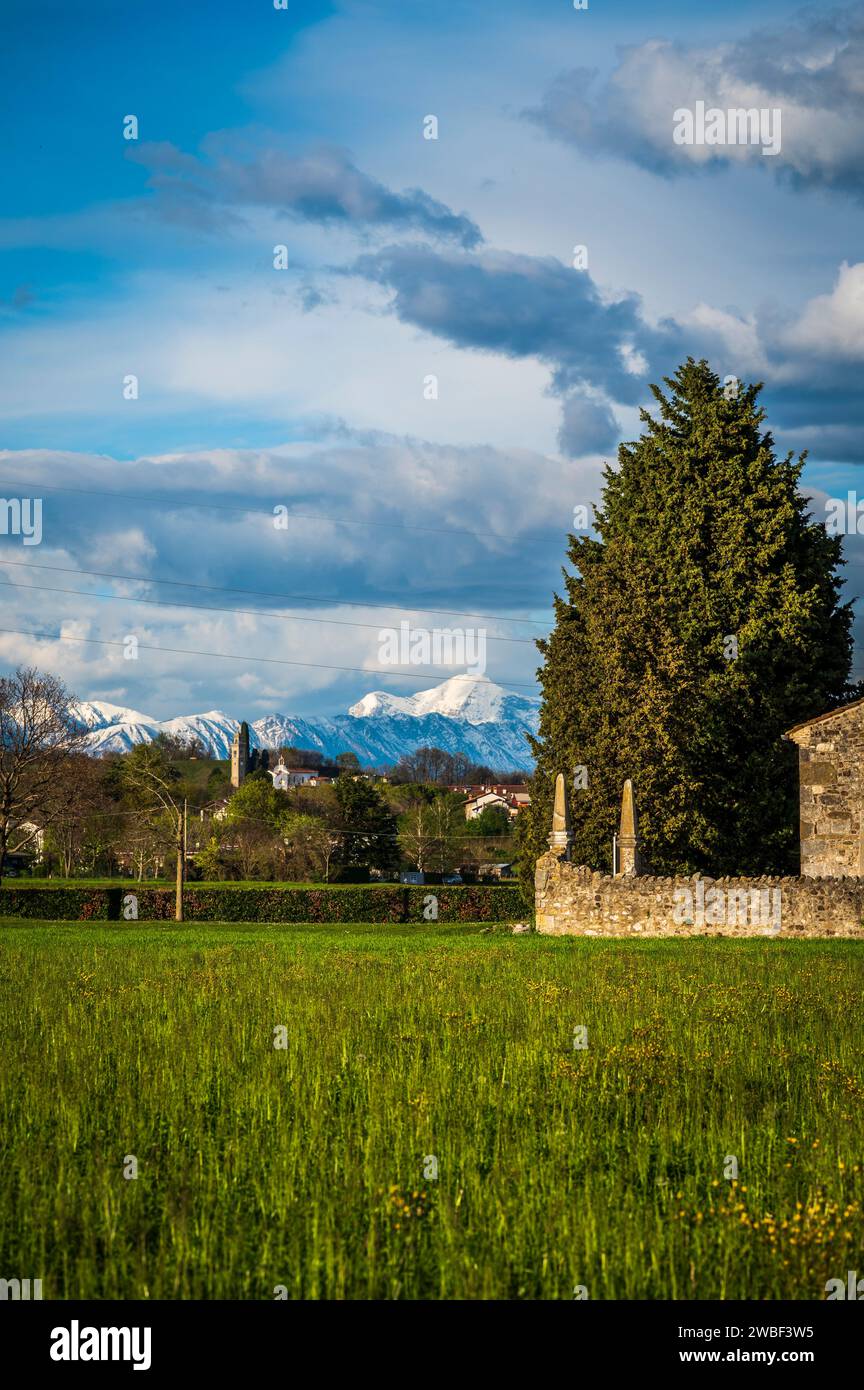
<point>103,815</point>
<point>264,593</point>
<point>259,820</point>
<point>232,656</point>
<point>334,830</point>
<point>213,608</point>
<point>359,830</point>
<point>172,503</point>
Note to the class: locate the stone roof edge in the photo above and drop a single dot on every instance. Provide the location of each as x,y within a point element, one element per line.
<point>818,718</point>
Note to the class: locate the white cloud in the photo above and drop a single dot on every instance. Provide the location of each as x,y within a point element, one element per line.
<point>811,72</point>
<point>426,527</point>
<point>832,325</point>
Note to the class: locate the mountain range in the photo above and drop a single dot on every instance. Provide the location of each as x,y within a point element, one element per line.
<point>470,715</point>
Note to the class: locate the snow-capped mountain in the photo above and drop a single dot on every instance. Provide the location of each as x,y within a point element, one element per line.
<point>465,714</point>
<point>214,730</point>
<point>474,699</point>
<point>98,714</point>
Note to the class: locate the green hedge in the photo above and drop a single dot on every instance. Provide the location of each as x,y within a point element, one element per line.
<point>348,903</point>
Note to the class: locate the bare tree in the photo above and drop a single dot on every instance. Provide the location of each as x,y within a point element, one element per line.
<point>145,841</point>
<point>181,745</point>
<point>254,847</point>
<point>147,774</point>
<point>309,844</point>
<point>430,834</point>
<point>448,823</point>
<point>38,736</point>
<point>417,836</point>
<point>81,805</point>
<point>433,766</point>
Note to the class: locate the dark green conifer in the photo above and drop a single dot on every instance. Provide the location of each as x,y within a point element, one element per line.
<point>703,623</point>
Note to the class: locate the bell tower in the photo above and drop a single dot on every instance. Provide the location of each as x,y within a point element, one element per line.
<point>240,754</point>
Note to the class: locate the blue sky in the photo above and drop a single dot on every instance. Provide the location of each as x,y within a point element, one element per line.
<point>407,258</point>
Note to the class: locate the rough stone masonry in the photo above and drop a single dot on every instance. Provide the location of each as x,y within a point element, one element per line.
<point>831,791</point>
<point>826,900</point>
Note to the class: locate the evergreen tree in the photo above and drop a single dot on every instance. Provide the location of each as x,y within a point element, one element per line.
<point>702,624</point>
<point>366,825</point>
<point>256,799</point>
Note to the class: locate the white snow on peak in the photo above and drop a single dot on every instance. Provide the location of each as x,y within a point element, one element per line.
<point>381,702</point>
<point>188,721</point>
<point>474,698</point>
<point>100,714</point>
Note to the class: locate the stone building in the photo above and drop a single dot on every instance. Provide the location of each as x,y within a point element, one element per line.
<point>826,900</point>
<point>831,780</point>
<point>245,759</point>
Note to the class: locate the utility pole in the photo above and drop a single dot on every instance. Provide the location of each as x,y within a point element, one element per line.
<point>178,899</point>
<point>149,773</point>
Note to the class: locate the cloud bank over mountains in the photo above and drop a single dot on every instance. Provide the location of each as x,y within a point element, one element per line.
<point>434,382</point>
<point>184,552</point>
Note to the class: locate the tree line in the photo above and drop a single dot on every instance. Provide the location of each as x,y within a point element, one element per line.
<point>164,807</point>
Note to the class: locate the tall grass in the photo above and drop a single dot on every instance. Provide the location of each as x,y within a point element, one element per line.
<point>303,1166</point>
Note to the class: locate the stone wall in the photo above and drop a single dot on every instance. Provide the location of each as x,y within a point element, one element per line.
<point>573,900</point>
<point>831,773</point>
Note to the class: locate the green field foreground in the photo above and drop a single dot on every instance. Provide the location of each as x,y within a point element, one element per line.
<point>303,1166</point>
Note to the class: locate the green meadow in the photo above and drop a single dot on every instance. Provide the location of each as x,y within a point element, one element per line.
<point>309,1170</point>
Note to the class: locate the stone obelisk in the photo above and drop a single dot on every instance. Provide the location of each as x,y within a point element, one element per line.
<point>628,844</point>
<point>561,838</point>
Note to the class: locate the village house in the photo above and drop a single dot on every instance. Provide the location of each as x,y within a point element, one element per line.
<point>475,806</point>
<point>511,798</point>
<point>517,795</point>
<point>26,848</point>
<point>31,838</point>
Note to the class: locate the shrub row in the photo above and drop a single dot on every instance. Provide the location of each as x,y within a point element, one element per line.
<point>354,903</point>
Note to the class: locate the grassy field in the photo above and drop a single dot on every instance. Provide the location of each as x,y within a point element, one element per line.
<point>303,1166</point>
